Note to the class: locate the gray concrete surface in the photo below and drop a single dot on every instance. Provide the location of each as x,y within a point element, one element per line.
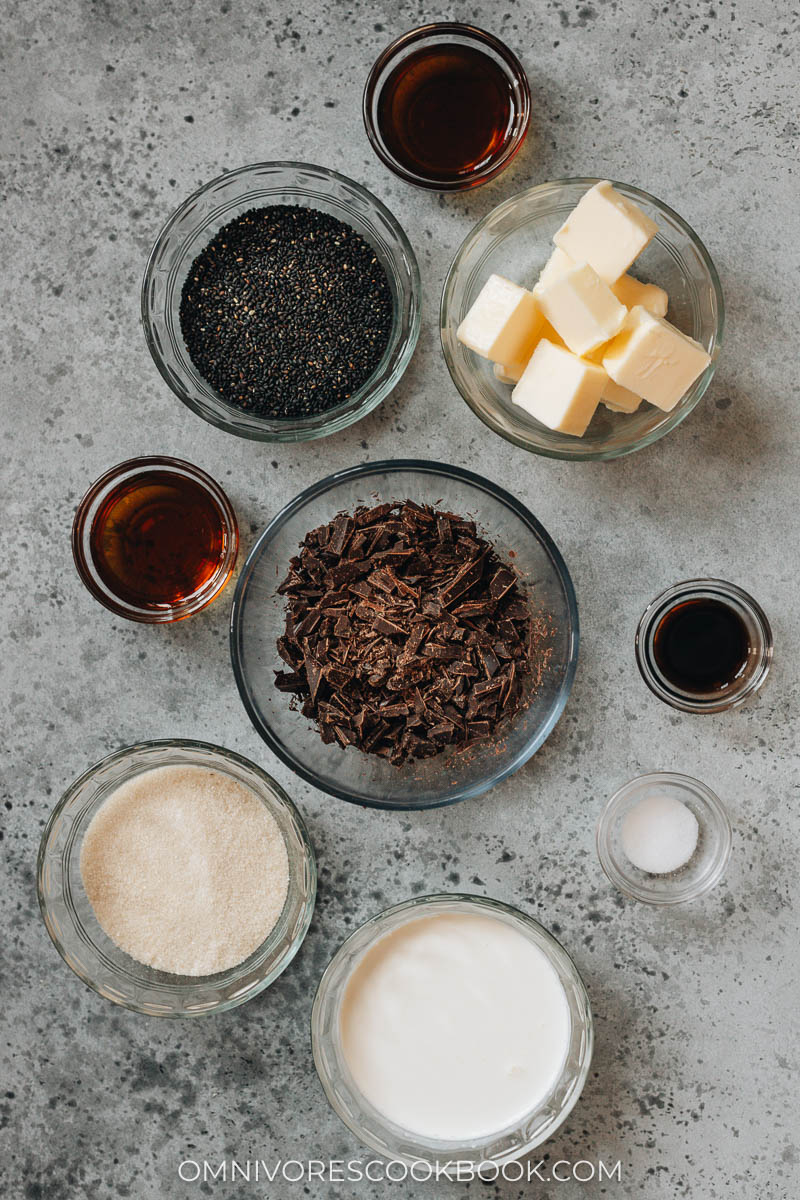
<point>111,114</point>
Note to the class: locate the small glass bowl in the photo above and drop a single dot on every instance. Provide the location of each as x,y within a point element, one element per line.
<point>200,218</point>
<point>258,619</point>
<point>92,503</point>
<point>449,33</point>
<point>706,866</point>
<point>515,240</point>
<point>377,1131</point>
<point>759,657</point>
<point>91,954</point>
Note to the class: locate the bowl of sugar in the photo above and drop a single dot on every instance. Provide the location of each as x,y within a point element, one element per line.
<point>176,878</point>
<point>664,839</point>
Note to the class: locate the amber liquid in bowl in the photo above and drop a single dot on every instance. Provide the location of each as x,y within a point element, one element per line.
<point>157,539</point>
<point>445,109</point>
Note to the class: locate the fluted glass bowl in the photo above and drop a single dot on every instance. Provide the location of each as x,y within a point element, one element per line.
<point>200,218</point>
<point>87,949</point>
<point>515,240</point>
<point>258,618</point>
<point>382,1134</point>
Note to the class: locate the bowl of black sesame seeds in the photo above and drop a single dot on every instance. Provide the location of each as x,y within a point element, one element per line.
<point>281,302</point>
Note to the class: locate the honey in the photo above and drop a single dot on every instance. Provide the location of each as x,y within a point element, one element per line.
<point>157,539</point>
<point>445,111</point>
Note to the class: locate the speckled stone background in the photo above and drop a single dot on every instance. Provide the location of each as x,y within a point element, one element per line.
<point>112,113</point>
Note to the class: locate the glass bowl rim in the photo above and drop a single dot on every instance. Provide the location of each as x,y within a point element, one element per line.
<point>469,32</point>
<point>199,600</point>
<point>719,818</point>
<point>399,466</point>
<point>678,414</point>
<point>333,420</point>
<point>663,603</point>
<point>280,796</point>
<point>482,903</point>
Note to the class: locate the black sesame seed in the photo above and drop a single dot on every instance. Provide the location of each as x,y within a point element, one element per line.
<point>286,312</point>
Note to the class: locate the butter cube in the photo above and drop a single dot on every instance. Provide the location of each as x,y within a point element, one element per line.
<point>557,265</point>
<point>654,359</point>
<point>605,230</point>
<point>560,389</point>
<point>581,308</point>
<point>503,323</point>
<point>551,335</point>
<point>630,292</point>
<point>511,372</point>
<point>619,399</point>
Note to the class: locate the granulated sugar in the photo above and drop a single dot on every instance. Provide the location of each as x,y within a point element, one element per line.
<point>186,870</point>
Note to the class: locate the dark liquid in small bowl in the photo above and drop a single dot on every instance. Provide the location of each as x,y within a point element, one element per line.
<point>445,110</point>
<point>701,646</point>
<point>157,539</point>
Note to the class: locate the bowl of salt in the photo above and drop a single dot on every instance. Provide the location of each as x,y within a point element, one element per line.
<point>664,839</point>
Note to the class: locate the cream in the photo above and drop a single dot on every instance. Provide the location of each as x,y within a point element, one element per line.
<point>454,1026</point>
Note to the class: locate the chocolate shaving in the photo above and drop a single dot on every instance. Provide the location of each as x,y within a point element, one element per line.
<point>404,633</point>
<point>340,532</point>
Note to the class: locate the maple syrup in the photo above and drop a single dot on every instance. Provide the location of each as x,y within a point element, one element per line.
<point>155,539</point>
<point>447,106</point>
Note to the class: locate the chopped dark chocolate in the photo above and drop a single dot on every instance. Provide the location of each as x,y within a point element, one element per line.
<point>405,633</point>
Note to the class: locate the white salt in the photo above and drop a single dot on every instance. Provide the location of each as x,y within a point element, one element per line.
<point>659,834</point>
<point>186,869</point>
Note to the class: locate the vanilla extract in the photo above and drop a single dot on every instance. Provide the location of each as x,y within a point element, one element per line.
<point>701,646</point>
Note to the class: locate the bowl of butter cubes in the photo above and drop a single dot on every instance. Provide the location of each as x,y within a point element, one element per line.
<point>582,319</point>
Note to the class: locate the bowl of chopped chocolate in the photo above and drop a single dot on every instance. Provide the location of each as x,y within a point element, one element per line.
<point>404,634</point>
<point>281,302</point>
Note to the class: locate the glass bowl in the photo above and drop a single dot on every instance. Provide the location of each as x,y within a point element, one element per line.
<point>449,33</point>
<point>92,955</point>
<point>257,620</point>
<point>92,504</point>
<point>759,634</point>
<point>383,1135</point>
<point>197,221</point>
<point>706,866</point>
<point>515,240</point>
